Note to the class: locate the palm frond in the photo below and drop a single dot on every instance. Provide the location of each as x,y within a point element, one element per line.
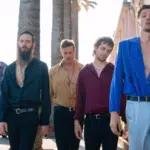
<point>86,4</point>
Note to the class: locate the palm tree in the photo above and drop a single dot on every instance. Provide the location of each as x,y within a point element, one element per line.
<point>65,23</point>
<point>29,19</point>
<point>57,29</point>
<point>74,20</point>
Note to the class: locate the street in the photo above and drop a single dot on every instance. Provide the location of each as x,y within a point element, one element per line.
<point>48,144</point>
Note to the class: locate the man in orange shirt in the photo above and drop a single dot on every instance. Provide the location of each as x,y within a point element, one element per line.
<point>63,80</point>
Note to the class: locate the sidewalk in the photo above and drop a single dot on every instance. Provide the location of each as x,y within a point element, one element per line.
<point>48,144</point>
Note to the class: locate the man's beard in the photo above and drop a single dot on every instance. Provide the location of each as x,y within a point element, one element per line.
<point>101,60</point>
<point>25,55</point>
<point>147,30</point>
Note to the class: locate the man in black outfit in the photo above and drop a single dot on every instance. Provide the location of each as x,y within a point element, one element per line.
<point>25,98</point>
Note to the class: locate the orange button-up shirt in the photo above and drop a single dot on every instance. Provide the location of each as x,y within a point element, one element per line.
<point>59,87</point>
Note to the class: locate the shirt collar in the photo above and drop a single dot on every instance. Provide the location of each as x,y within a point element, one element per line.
<point>77,64</point>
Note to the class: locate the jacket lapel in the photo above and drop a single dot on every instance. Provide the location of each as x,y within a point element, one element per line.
<point>137,63</point>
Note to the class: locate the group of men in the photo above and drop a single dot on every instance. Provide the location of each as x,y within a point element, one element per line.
<point>86,97</point>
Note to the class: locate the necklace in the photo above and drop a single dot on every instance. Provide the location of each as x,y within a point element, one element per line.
<point>70,74</point>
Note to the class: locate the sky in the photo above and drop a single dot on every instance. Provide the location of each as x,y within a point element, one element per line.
<point>101,21</point>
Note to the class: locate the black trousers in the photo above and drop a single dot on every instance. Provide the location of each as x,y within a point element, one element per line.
<point>22,129</point>
<point>64,129</point>
<point>97,132</point>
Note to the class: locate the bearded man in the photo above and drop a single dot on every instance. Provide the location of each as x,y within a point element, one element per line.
<point>25,98</point>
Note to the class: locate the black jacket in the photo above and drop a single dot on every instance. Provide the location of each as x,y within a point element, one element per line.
<point>35,91</point>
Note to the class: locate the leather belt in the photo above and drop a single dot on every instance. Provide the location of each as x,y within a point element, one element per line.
<point>97,116</point>
<point>23,110</point>
<point>139,98</point>
<point>71,109</point>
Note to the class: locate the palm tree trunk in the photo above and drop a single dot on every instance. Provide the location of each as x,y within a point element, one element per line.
<point>71,21</point>
<point>57,30</point>
<point>74,25</point>
<point>65,25</point>
<point>29,20</point>
<point>67,19</point>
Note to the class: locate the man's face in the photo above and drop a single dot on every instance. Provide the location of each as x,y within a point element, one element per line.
<point>68,53</point>
<point>144,20</point>
<point>102,52</point>
<point>25,46</point>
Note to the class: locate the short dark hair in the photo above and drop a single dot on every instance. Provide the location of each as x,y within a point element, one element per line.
<point>28,32</point>
<point>66,43</point>
<point>106,40</point>
<point>142,7</point>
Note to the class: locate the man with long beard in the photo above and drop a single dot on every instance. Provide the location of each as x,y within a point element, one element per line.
<point>25,99</point>
<point>132,74</point>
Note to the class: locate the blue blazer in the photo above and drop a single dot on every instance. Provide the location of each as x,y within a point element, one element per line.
<point>129,73</point>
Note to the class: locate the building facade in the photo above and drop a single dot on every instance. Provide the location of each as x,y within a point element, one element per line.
<point>127,24</point>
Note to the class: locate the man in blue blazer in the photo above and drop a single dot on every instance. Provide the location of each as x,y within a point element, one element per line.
<point>132,76</point>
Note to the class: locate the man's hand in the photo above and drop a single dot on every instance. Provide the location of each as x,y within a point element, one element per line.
<point>78,129</point>
<point>3,128</point>
<point>125,134</point>
<point>44,130</point>
<point>115,123</point>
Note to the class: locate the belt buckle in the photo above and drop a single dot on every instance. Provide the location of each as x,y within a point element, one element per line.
<point>97,116</point>
<point>70,109</point>
<point>146,98</point>
<point>138,98</point>
<point>18,111</point>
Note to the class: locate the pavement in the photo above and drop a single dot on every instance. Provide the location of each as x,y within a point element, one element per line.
<point>48,144</point>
